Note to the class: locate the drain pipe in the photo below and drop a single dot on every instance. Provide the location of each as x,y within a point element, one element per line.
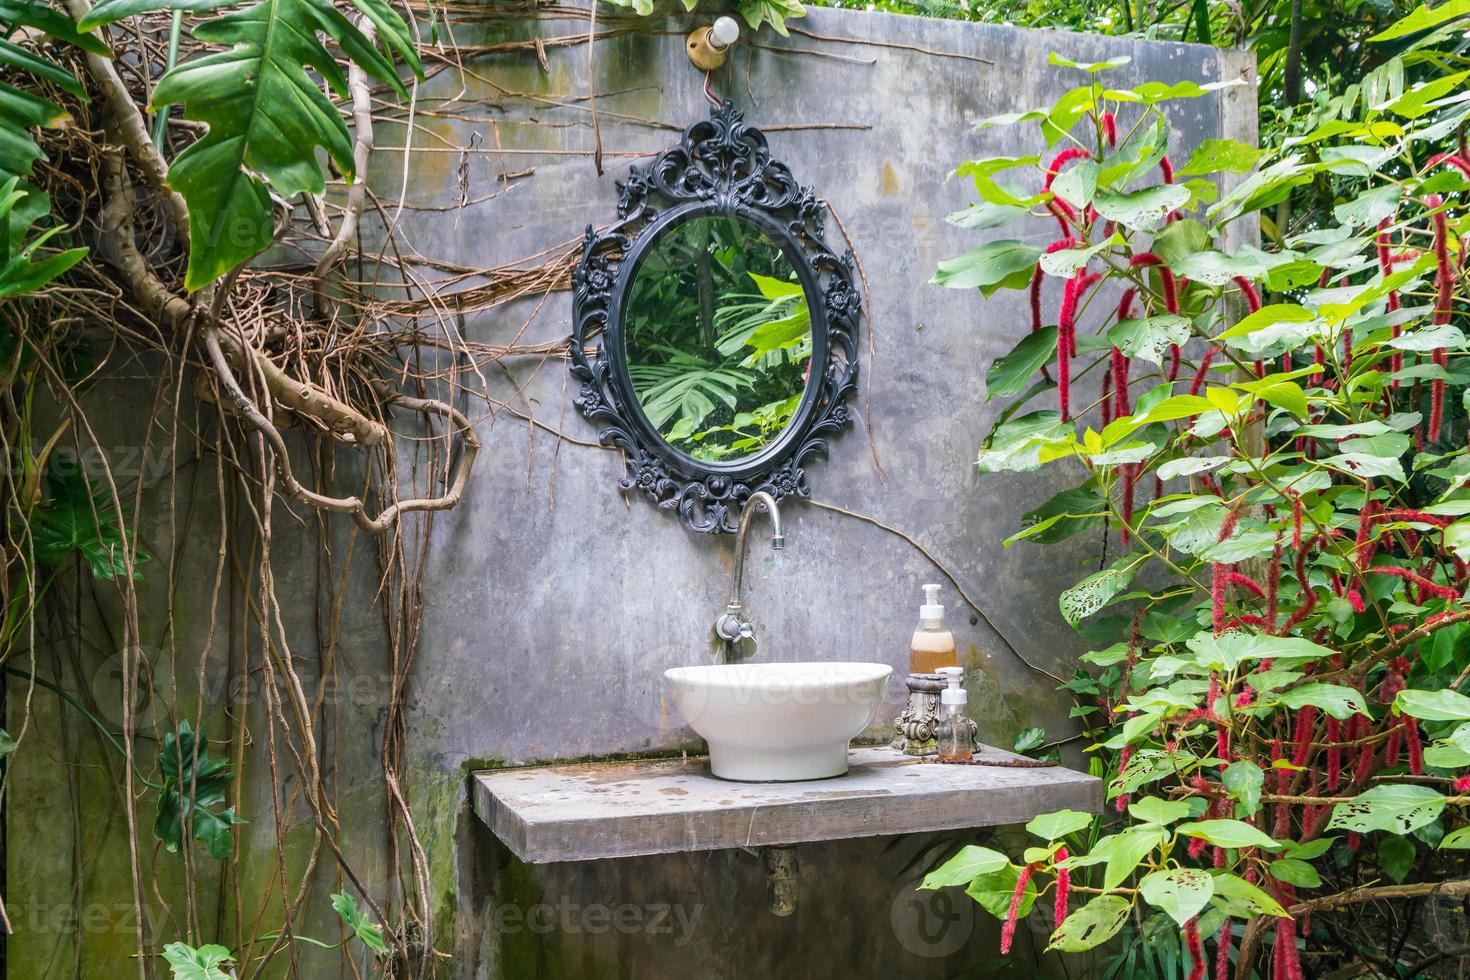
<point>782,874</point>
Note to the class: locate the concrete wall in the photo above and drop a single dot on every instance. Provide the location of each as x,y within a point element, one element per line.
<point>553,603</point>
<point>568,601</point>
<point>590,595</point>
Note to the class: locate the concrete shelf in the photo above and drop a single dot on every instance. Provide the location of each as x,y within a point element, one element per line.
<point>612,810</point>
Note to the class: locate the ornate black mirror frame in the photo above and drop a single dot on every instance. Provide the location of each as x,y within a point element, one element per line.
<point>720,167</point>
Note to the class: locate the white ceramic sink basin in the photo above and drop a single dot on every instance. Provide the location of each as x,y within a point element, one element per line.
<point>778,722</point>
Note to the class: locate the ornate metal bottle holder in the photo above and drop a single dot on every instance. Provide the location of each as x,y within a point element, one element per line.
<point>916,732</point>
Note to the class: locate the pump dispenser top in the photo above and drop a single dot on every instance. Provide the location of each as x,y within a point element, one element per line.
<point>955,692</point>
<point>932,646</point>
<point>931,613</point>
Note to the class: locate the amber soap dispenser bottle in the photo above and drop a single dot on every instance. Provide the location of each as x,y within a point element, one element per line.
<point>932,646</point>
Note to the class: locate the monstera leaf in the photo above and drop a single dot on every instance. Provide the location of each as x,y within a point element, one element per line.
<point>266,115</point>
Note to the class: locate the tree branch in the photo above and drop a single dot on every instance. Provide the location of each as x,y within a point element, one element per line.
<point>1357,896</point>
<point>223,350</point>
<point>362,121</point>
<point>130,129</point>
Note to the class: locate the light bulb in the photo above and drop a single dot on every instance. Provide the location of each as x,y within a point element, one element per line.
<point>725,33</point>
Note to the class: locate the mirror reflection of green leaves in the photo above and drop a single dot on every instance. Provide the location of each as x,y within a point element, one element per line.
<point>718,337</point>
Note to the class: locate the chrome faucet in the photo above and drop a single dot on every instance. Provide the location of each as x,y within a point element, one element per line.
<point>732,628</point>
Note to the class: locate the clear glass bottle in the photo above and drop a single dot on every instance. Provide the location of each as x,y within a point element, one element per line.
<point>955,743</point>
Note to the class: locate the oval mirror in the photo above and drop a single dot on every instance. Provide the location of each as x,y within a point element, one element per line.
<point>714,327</point>
<point>718,338</point>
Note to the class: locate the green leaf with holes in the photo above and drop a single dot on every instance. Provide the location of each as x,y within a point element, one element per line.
<point>1077,184</point>
<point>1091,925</point>
<point>1397,809</point>
<point>1180,892</point>
<point>1458,840</point>
<point>1369,207</point>
<point>1064,263</point>
<point>1150,338</point>
<point>1451,751</point>
<point>1215,155</point>
<point>1094,592</point>
<point>1338,701</point>
<point>1429,338</point>
<point>1142,209</point>
<point>979,217</point>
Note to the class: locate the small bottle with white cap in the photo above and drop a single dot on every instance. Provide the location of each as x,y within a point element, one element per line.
<point>955,741</point>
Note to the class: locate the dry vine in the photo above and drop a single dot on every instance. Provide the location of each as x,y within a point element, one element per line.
<point>330,378</point>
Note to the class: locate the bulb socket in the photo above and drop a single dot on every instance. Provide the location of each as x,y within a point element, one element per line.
<point>700,46</point>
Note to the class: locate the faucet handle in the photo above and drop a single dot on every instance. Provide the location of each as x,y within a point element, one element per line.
<point>732,626</point>
<point>743,646</point>
<point>735,634</point>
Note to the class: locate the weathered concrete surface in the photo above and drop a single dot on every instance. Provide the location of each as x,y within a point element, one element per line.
<point>554,604</point>
<point>591,811</point>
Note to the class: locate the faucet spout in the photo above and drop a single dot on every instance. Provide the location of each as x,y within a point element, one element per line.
<point>759,501</point>
<point>732,627</point>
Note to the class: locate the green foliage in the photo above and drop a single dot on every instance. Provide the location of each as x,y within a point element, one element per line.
<point>193,784</point>
<point>369,932</point>
<point>1093,924</point>
<point>1059,824</point>
<point>1279,487</point>
<point>266,113</point>
<point>20,271</point>
<point>212,962</point>
<point>972,860</point>
<point>21,110</point>
<point>78,516</point>
<point>719,338</point>
<point>205,963</point>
